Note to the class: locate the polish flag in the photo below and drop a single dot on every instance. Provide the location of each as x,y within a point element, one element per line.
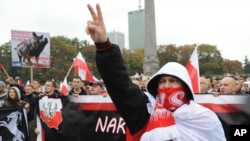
<point>81,68</point>
<point>20,82</point>
<point>95,79</point>
<point>28,82</point>
<point>193,70</point>
<point>64,87</point>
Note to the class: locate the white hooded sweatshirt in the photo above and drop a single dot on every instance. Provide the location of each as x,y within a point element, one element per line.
<point>193,121</point>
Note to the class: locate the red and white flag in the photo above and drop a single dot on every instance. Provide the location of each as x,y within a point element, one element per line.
<point>64,87</point>
<point>28,82</point>
<point>81,68</point>
<point>193,70</point>
<point>20,82</point>
<point>95,79</point>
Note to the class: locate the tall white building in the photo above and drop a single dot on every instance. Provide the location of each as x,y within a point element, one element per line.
<point>117,38</point>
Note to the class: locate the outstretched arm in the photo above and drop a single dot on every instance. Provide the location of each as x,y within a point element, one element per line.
<point>129,100</point>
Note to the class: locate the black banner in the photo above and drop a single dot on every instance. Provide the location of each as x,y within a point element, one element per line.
<point>13,124</point>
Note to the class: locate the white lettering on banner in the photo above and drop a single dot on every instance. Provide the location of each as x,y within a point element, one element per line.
<point>112,125</point>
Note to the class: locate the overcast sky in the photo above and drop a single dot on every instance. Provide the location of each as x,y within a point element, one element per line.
<point>224,23</point>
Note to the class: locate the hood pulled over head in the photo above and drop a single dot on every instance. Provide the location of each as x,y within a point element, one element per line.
<point>173,69</point>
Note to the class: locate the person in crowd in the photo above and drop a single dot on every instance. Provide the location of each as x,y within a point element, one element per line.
<point>77,87</point>
<point>166,111</point>
<point>203,85</point>
<point>137,82</point>
<point>87,87</point>
<point>238,86</point>
<point>11,82</point>
<point>97,88</point>
<point>144,81</point>
<point>69,85</point>
<point>31,97</point>
<point>49,109</point>
<point>246,87</point>
<point>3,94</point>
<point>210,86</point>
<point>14,99</point>
<point>217,84</point>
<point>37,88</point>
<point>241,79</point>
<point>228,85</point>
<point>18,80</point>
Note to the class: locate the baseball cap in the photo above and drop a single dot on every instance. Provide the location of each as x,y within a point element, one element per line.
<point>2,84</point>
<point>96,83</point>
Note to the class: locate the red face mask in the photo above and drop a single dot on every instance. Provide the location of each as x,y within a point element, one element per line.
<point>171,98</point>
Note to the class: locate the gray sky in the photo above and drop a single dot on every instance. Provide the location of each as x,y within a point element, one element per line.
<point>224,23</point>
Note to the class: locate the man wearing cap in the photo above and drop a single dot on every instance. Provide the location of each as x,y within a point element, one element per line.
<point>3,94</point>
<point>97,88</point>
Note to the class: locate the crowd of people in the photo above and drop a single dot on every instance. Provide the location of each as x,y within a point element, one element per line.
<point>12,94</point>
<point>159,107</point>
<point>33,98</point>
<point>228,84</point>
<point>166,111</point>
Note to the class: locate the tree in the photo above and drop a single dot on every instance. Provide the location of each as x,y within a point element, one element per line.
<point>62,55</point>
<point>232,66</point>
<point>210,60</point>
<point>135,61</point>
<point>184,53</point>
<point>246,65</point>
<point>75,41</point>
<point>166,54</point>
<point>125,55</point>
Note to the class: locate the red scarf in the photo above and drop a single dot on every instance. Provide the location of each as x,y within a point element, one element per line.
<point>161,126</point>
<point>171,98</point>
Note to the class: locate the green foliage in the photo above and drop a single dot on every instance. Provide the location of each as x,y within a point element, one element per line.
<point>166,54</point>
<point>246,66</point>
<point>64,50</point>
<point>232,67</point>
<point>135,61</point>
<point>62,54</point>
<point>126,55</point>
<point>210,60</point>
<point>184,53</point>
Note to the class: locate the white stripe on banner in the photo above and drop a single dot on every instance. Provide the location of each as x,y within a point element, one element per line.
<point>198,98</point>
<point>39,127</point>
<point>91,99</point>
<point>221,99</point>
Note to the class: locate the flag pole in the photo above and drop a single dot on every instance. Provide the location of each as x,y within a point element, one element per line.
<point>69,70</point>
<point>4,70</point>
<point>31,73</point>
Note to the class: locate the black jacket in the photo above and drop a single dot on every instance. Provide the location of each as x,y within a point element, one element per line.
<point>129,100</point>
<point>83,92</point>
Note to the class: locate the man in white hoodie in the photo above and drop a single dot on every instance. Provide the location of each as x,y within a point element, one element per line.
<point>166,111</point>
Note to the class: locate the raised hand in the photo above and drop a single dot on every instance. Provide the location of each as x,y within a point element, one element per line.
<point>96,27</point>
